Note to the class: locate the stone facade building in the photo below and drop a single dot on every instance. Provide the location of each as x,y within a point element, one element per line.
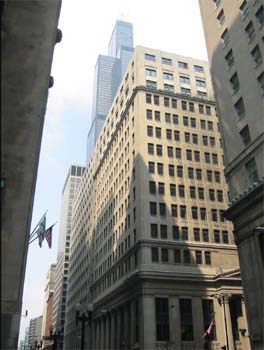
<point>234,32</point>
<point>150,248</point>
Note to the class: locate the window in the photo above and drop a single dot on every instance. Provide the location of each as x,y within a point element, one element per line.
<point>149,114</point>
<point>187,137</point>
<point>185,121</point>
<point>234,81</point>
<point>202,94</point>
<point>225,237</point>
<point>160,168</point>
<point>203,124</point>
<point>195,139</point>
<point>207,157</point>
<point>183,211</point>
<point>153,208</point>
<point>195,213</point>
<point>199,173</point>
<point>212,141</point>
<point>185,233</point>
<point>252,170</point>
<point>256,55</point>
<point>217,3</point>
<point>150,130</point>
<point>185,91</point>
<point>184,105</point>
<point>152,187</point>
<point>191,106</point>
<point>244,8</point>
<point>172,189</point>
<point>197,156</point>
<point>210,126</point>
<point>158,132</point>
<point>221,17</point>
<point>220,196</point>
<point>182,65</point>
<point>166,102</point>
<point>198,69</point>
<point>164,255</point>
<point>201,192</point>
<point>149,57</point>
<point>159,150</point>
<point>261,82</point>
<point>198,257</point>
<point>161,188</point>
<point>175,119</point>
<point>193,122</point>
<point>208,110</point>
<point>163,232</point>
<point>203,213</point>
<point>150,148</point>
<point>168,87</point>
<point>200,83</point>
<point>176,135</point>
<point>196,234</point>
<point>150,72</point>
<point>260,15</point>
<point>156,100</point>
<point>151,84</point>
<point>189,154</point>
<point>157,115</point>
<point>186,319</point>
<point>209,176</point>
<point>162,209</point>
<point>190,173</point>
<point>174,210</point>
<point>230,58</point>
<point>177,256</point>
<point>178,153</point>
<point>179,171</point>
<point>151,166</point>
<point>167,117</point>
<point>170,151</point>
<point>217,176</point>
<point>205,140</point>
<point>162,319</point>
<point>154,231</point>
<point>215,158</point>
<point>175,232</point>
<point>184,79</point>
<point>181,191</point>
<point>167,76</point>
<point>250,31</point>
<point>174,103</point>
<point>225,37</point>
<point>155,254</point>
<point>214,215</point>
<point>167,61</point>
<point>186,257</point>
<point>148,98</point>
<point>245,135</point>
<point>171,170</point>
<point>208,311</point>
<point>192,192</point>
<point>216,236</point>
<point>205,235</point>
<point>212,195</point>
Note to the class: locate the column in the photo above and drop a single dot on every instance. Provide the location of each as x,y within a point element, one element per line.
<point>228,321</point>
<point>102,344</point>
<point>118,329</point>
<point>198,328</point>
<point>244,325</point>
<point>126,326</point>
<point>113,330</point>
<point>147,322</point>
<point>219,322</point>
<point>107,331</point>
<point>175,327</point>
<point>132,323</point>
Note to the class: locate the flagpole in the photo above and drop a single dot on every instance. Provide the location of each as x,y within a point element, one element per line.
<point>35,229</point>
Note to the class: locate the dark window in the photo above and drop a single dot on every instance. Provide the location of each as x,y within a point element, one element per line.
<point>149,57</point>
<point>195,213</point>
<point>152,187</point>
<point>234,81</point>
<point>260,15</point>
<point>186,257</point>
<point>174,103</point>
<point>198,257</point>
<point>225,237</point>
<point>252,170</point>
<point>156,100</point>
<point>230,58</point>
<point>191,106</point>
<point>215,158</point>
<point>153,208</point>
<point>239,107</point>
<point>185,235</point>
<point>212,141</point>
<point>209,175</point>
<point>212,195</point>
<point>175,119</point>
<point>203,213</point>
<point>216,236</point>
<point>185,121</point>
<point>245,135</point>
<point>195,139</point>
<point>150,148</point>
<point>172,189</point>
<point>184,105</point>
<point>225,38</point>
<point>197,156</point>
<point>151,84</point>
<point>163,232</point>
<point>205,235</point>
<point>187,137</point>
<point>178,153</point>
<point>176,135</point>
<point>208,110</point>
<point>190,173</point>
<point>210,126</point>
<point>160,168</point>
<point>157,115</point>
<point>186,319</point>
<point>158,132</point>
<point>175,232</point>
<point>150,130</point>
<point>151,166</point>
<point>220,196</point>
<point>183,211</point>
<point>207,157</point>
<point>162,209</point>
<point>189,154</point>
<point>196,234</point>
<point>174,210</point>
<point>149,114</point>
<point>208,315</point>
<point>148,98</point>
<point>169,134</point>
<point>171,170</point>
<point>170,151</point>
<point>167,117</point>
<point>192,192</point>
<point>155,254</point>
<point>217,176</point>
<point>198,172</point>
<point>201,192</point>
<point>159,150</point>
<point>181,191</point>
<point>154,231</point>
<point>179,171</point>
<point>162,319</point>
<point>203,124</point>
<point>214,215</point>
<point>164,255</point>
<point>167,61</point>
<point>256,55</point>
<point>166,102</point>
<point>182,65</point>
<point>161,188</point>
<point>177,256</point>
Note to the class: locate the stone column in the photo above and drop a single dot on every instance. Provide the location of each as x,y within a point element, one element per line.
<point>226,311</point>
<point>113,330</point>
<point>118,329</point>
<point>147,322</point>
<point>219,322</point>
<point>132,323</point>
<point>107,331</point>
<point>244,325</point>
<point>175,327</point>
<point>127,326</point>
<point>198,329</point>
<point>102,344</point>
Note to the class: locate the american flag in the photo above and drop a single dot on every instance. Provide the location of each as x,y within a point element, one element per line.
<point>48,235</point>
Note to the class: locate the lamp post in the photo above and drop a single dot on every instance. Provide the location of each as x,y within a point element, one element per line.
<point>86,316</point>
<point>55,336</point>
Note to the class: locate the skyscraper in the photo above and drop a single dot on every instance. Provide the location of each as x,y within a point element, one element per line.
<point>234,34</point>
<point>109,71</point>
<point>70,188</point>
<point>150,248</point>
<point>34,336</point>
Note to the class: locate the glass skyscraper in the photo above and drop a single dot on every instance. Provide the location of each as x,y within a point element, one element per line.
<point>109,71</point>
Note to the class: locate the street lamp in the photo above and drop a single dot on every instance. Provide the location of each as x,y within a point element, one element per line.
<point>86,316</point>
<point>55,336</point>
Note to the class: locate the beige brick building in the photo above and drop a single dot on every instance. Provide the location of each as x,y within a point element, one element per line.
<point>234,34</point>
<point>149,247</point>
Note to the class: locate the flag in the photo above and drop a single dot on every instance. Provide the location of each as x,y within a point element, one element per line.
<point>41,230</point>
<point>209,330</point>
<point>48,235</point>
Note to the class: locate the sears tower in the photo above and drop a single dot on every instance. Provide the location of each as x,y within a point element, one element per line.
<point>109,71</point>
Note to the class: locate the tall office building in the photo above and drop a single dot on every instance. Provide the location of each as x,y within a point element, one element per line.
<point>28,35</point>
<point>34,336</point>
<point>49,288</point>
<point>234,34</point>
<point>150,248</point>
<point>109,71</point>
<point>70,188</point>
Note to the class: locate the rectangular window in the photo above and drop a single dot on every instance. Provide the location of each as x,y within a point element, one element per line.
<point>188,154</point>
<point>185,121</point>
<point>167,76</point>
<point>203,124</point>
<point>156,100</point>
<point>185,91</point>
<point>151,84</point>
<point>245,135</point>
<point>150,130</point>
<point>216,236</point>
<point>220,196</point>
<point>250,31</point>
<point>176,135</point>
<point>208,110</point>
<point>160,168</point>
<point>184,79</point>
<point>212,195</point>
<point>149,57</point>
<point>152,187</point>
<point>207,158</point>
<point>225,237</point>
<point>186,319</point>
<point>154,231</point>
<point>198,69</point>
<point>202,95</point>
<point>205,140</point>
<point>150,148</point>
<point>175,119</point>
<point>167,117</point>
<point>205,235</point>
<point>167,61</point>
<point>182,65</point>
<point>210,126</point>
<point>196,234</point>
<point>183,211</point>
<point>256,55</point>
<point>208,313</point>
<point>230,58</point>
<point>171,170</point>
<point>244,8</point>
<point>179,171</point>
<point>168,87</point>
<point>177,256</point>
<point>201,192</point>
<point>192,192</point>
<point>159,150</point>
<point>148,98</point>
<point>199,173</point>
<point>195,139</point>
<point>184,105</point>
<point>178,153</point>
<point>170,151</point>
<point>150,72</point>
<point>158,132</point>
<point>162,209</point>
<point>157,115</point>
<point>212,141</point>
<point>187,137</point>
<point>185,234</point>
<point>163,232</point>
<point>190,173</point>
<point>175,232</point>
<point>215,158</point>
<point>221,17</point>
<point>260,15</point>
<point>153,208</point>
<point>164,255</point>
<point>200,83</point>
<point>193,122</point>
<point>198,257</point>
<point>197,156</point>
<point>181,191</point>
<point>162,319</point>
<point>252,171</point>
<point>225,38</point>
<point>166,102</point>
<point>191,106</point>
<point>151,166</point>
<point>203,213</point>
<point>234,81</point>
<point>217,176</point>
<point>195,213</point>
<point>149,114</point>
<point>174,211</point>
<point>186,257</point>
<point>174,103</point>
<point>172,189</point>
<point>214,215</point>
<point>161,188</point>
<point>155,254</point>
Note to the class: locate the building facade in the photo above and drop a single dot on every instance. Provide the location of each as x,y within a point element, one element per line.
<point>28,35</point>
<point>234,34</point>
<point>70,188</point>
<point>109,71</point>
<point>48,298</point>
<point>34,336</point>
<point>150,249</point>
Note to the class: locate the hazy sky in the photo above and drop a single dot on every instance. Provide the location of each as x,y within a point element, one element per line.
<point>172,25</point>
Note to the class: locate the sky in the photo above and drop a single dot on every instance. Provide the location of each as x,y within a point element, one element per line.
<point>172,26</point>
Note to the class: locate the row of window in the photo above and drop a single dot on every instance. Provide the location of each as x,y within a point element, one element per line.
<point>181,211</point>
<point>194,193</point>
<point>193,173</point>
<point>167,102</point>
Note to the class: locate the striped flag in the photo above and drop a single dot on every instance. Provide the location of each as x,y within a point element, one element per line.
<point>41,230</point>
<point>209,330</point>
<point>48,235</point>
